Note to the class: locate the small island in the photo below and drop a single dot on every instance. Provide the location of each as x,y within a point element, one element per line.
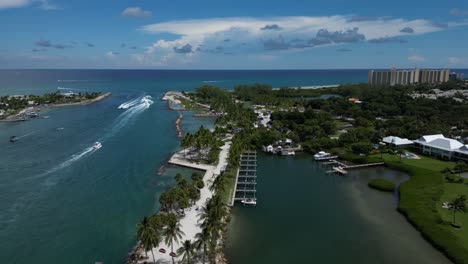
<point>382,185</point>
<point>23,107</point>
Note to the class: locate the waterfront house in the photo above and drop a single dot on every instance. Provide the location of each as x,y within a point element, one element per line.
<point>397,141</point>
<point>441,147</point>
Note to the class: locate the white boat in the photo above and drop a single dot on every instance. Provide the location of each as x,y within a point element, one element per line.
<point>97,145</point>
<point>322,155</point>
<point>249,201</point>
<point>288,153</point>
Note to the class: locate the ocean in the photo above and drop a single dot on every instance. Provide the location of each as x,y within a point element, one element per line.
<point>62,202</point>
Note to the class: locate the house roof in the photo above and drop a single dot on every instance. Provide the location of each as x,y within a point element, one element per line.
<point>429,138</point>
<point>441,142</point>
<point>397,141</point>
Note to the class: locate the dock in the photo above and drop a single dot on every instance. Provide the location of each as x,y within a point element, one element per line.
<point>246,180</point>
<point>343,168</point>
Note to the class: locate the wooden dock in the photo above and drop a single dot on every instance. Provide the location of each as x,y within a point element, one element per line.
<point>343,168</point>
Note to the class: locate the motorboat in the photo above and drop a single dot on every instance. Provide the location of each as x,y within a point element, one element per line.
<point>13,139</point>
<point>322,155</point>
<point>249,201</point>
<point>288,152</point>
<point>97,145</point>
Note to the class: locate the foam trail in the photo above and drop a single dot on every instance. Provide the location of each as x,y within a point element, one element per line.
<point>128,115</point>
<point>129,104</point>
<point>30,133</point>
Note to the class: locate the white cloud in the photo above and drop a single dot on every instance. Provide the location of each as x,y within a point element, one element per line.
<point>416,58</point>
<point>454,61</point>
<point>299,32</point>
<point>4,4</point>
<point>135,12</point>
<point>111,54</point>
<point>41,4</point>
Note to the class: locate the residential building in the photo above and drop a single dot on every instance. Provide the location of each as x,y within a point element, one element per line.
<point>456,76</point>
<point>408,77</point>
<point>441,147</point>
<point>397,141</point>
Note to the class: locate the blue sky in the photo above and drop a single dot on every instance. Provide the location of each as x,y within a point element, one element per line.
<point>242,34</point>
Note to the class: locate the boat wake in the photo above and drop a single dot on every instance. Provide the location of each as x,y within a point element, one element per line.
<point>30,133</point>
<point>133,108</point>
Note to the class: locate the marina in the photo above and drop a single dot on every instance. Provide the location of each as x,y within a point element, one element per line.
<point>246,180</point>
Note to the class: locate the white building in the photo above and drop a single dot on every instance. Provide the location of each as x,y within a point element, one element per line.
<point>441,147</point>
<point>397,141</point>
<point>407,77</point>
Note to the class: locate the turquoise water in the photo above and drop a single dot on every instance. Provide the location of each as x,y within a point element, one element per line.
<point>306,216</point>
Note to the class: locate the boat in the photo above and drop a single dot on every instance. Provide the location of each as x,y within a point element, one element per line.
<point>97,146</point>
<point>322,155</point>
<point>249,201</point>
<point>13,139</point>
<point>288,152</point>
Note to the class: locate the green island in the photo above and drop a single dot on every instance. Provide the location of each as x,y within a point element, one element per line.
<point>22,107</point>
<point>348,121</point>
<point>382,185</point>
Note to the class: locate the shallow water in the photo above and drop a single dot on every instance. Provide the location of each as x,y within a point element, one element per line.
<point>306,216</point>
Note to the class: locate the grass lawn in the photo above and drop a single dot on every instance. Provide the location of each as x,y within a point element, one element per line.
<point>188,104</point>
<point>451,191</point>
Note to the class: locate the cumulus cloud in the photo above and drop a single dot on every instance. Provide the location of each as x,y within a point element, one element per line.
<point>440,24</point>
<point>416,58</point>
<point>456,61</point>
<point>362,19</point>
<point>111,54</point>
<point>249,35</point>
<point>44,43</point>
<point>278,43</point>
<point>4,4</point>
<point>41,4</point>
<point>271,27</point>
<point>187,48</point>
<point>458,12</point>
<point>135,12</point>
<point>383,40</point>
<point>344,50</point>
<point>407,30</point>
<point>326,37</point>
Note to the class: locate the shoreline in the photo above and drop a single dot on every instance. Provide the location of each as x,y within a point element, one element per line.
<point>189,222</point>
<point>21,115</point>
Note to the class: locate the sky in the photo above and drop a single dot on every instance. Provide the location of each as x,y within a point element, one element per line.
<point>241,34</point>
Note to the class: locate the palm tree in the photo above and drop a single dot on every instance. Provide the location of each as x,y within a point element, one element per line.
<point>173,234</point>
<point>202,240</point>
<point>458,205</point>
<point>187,251</point>
<point>148,236</point>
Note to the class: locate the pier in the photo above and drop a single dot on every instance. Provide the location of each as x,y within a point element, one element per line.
<point>343,168</point>
<point>246,180</point>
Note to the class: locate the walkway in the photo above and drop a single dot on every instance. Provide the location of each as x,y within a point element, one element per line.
<point>189,222</point>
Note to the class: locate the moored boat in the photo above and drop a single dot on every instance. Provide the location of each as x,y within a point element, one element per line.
<point>249,201</point>
<point>322,155</point>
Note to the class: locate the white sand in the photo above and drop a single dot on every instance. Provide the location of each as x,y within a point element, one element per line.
<point>189,223</point>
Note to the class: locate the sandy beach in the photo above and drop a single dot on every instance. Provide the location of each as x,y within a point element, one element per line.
<point>189,222</point>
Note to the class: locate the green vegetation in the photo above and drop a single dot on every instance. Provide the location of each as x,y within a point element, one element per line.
<point>13,104</point>
<point>382,185</point>
<point>420,202</point>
